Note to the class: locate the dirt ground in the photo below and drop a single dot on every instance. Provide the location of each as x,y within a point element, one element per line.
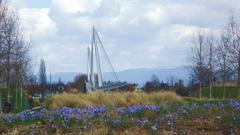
<point>206,127</point>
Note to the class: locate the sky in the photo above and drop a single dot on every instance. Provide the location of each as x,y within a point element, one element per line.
<point>135,33</point>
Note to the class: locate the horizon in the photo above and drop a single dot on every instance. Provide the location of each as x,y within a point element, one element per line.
<point>139,76</point>
<point>154,68</point>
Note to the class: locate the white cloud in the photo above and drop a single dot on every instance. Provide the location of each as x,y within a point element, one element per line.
<point>156,15</point>
<point>18,4</point>
<point>136,33</point>
<point>37,23</point>
<point>75,6</point>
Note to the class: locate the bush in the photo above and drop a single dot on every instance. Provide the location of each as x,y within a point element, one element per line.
<point>184,92</point>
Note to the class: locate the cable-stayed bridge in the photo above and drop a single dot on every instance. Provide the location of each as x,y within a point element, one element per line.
<point>95,80</point>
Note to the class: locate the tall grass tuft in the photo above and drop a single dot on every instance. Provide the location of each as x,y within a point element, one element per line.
<point>111,99</point>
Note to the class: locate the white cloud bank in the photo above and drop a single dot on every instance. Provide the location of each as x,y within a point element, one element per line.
<point>136,33</point>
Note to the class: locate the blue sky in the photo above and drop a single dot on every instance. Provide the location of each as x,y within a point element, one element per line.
<point>38,3</point>
<point>136,33</point>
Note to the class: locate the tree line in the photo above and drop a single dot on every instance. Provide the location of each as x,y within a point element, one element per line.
<point>213,58</point>
<point>15,66</point>
<point>216,57</point>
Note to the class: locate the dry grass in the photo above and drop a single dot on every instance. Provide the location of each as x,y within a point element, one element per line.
<point>12,132</point>
<point>110,99</point>
<point>104,130</point>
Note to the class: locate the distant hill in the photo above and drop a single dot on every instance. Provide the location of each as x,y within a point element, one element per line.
<point>140,75</point>
<point>65,76</point>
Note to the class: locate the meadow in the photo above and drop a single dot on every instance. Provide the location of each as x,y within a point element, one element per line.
<point>19,100</point>
<point>126,113</point>
<point>218,92</point>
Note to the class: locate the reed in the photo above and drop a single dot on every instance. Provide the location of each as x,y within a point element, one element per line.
<point>111,99</point>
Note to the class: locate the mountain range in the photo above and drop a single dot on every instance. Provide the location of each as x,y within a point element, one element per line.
<point>140,75</point>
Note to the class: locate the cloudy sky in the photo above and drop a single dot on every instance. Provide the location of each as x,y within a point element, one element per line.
<point>135,33</point>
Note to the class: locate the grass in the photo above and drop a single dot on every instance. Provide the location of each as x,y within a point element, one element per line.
<point>102,130</point>
<point>207,118</point>
<point>111,99</point>
<point>189,119</point>
<point>189,100</point>
<point>218,92</point>
<point>15,99</point>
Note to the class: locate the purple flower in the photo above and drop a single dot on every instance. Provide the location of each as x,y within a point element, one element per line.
<point>221,105</point>
<point>170,123</point>
<point>121,111</point>
<point>53,126</point>
<point>193,106</point>
<point>154,127</point>
<point>208,105</point>
<point>235,105</point>
<point>116,120</point>
<point>139,122</point>
<point>65,125</point>
<point>9,118</point>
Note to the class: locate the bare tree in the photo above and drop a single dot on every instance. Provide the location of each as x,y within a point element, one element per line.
<point>13,49</point>
<point>222,61</point>
<point>210,46</point>
<point>8,47</point>
<point>196,61</point>
<point>3,16</point>
<point>233,46</point>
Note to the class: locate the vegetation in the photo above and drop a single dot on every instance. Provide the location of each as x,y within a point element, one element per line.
<point>191,118</point>
<point>14,52</point>
<point>218,93</point>
<point>111,99</point>
<point>215,58</point>
<point>17,103</point>
<point>42,78</point>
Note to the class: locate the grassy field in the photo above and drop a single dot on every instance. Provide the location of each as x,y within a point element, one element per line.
<point>194,116</point>
<point>218,93</point>
<point>15,99</point>
<point>126,113</point>
<point>111,99</point>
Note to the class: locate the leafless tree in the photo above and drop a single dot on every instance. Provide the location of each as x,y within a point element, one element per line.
<point>222,61</point>
<point>233,46</point>
<point>210,61</point>
<point>196,60</point>
<point>14,50</point>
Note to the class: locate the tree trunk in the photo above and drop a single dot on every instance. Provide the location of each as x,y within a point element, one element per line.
<point>16,99</point>
<point>8,73</point>
<point>1,103</point>
<point>238,81</point>
<point>224,77</point>
<point>200,90</point>
<point>210,88</point>
<point>210,82</point>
